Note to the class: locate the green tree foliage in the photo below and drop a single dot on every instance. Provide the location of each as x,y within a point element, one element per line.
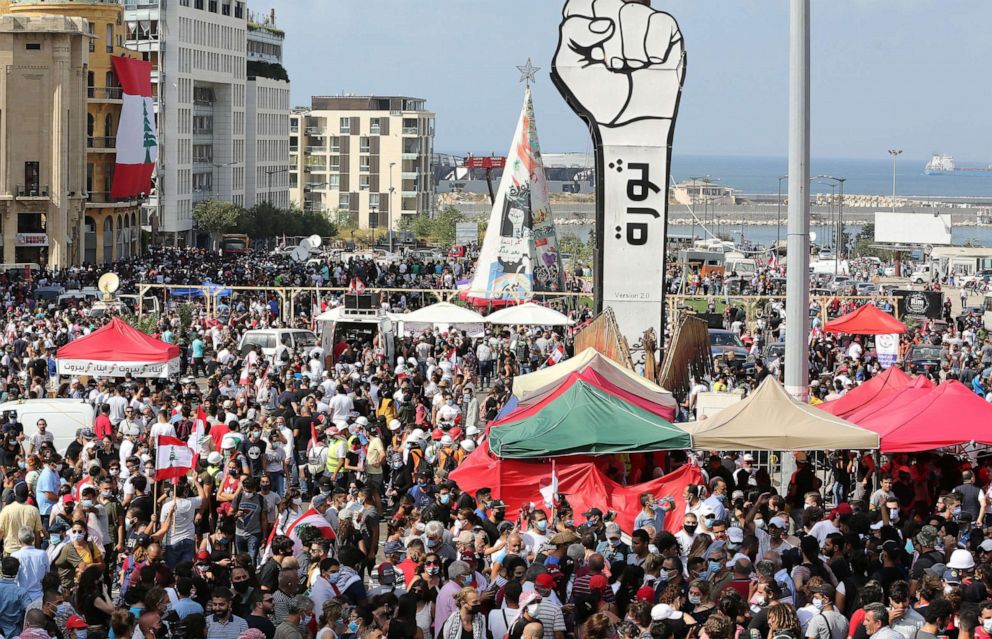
<point>863,242</point>
<point>215,216</point>
<point>581,251</point>
<point>265,220</point>
<point>439,229</point>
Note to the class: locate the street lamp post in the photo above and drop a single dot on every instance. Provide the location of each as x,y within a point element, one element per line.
<point>894,153</point>
<point>389,208</point>
<point>838,183</point>
<point>778,230</point>
<point>692,199</point>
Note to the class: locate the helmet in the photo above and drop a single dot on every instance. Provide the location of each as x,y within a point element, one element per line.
<point>417,434</point>
<point>446,440</point>
<point>214,458</point>
<point>362,421</point>
<point>228,443</point>
<point>394,424</point>
<point>468,445</point>
<point>961,559</point>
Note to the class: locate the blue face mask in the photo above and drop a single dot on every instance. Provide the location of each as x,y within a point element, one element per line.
<point>136,611</point>
<point>55,539</point>
<point>468,578</point>
<point>542,525</point>
<point>445,499</point>
<point>713,566</point>
<point>353,627</point>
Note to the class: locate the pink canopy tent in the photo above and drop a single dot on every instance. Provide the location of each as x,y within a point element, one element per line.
<point>866,320</point>
<point>891,382</point>
<point>945,415</point>
<point>518,482</point>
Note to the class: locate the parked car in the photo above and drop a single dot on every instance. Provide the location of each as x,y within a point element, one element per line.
<point>728,344</point>
<point>921,358</point>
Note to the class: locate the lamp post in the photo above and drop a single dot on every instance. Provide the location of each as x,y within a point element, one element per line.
<point>692,199</point>
<point>268,181</point>
<point>778,230</point>
<point>839,184</point>
<point>894,153</point>
<point>389,207</point>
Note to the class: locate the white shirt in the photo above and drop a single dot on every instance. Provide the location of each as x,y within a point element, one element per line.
<point>182,526</point>
<point>501,619</point>
<point>162,430</point>
<point>341,407</point>
<point>34,566</point>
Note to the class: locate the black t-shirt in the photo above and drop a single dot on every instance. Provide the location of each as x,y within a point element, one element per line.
<point>301,431</point>
<point>263,624</point>
<point>143,505</point>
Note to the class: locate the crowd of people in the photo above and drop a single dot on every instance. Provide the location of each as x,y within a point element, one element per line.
<point>320,504</point>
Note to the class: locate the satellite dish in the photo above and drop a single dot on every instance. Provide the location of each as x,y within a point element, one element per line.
<point>812,236</point>
<point>306,245</point>
<point>108,285</point>
<point>299,254</point>
<point>315,240</point>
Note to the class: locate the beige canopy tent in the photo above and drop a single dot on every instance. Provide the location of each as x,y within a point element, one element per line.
<point>538,383</point>
<point>529,314</point>
<point>771,419</point>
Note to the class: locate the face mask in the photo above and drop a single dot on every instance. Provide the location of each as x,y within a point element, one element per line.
<point>306,620</point>
<point>433,570</point>
<point>957,512</point>
<point>818,604</point>
<point>77,536</point>
<point>532,609</point>
<point>468,578</point>
<point>353,627</point>
<point>115,472</point>
<point>136,611</point>
<point>760,523</point>
<point>55,539</point>
<point>81,634</point>
<point>128,524</point>
<point>445,499</point>
<point>241,586</point>
<point>713,566</point>
<point>690,528</point>
<point>893,514</point>
<point>948,590</point>
<point>256,434</point>
<point>422,484</point>
<point>87,503</point>
<point>760,601</point>
<point>106,494</point>
<point>695,599</point>
<point>987,625</point>
<point>248,494</point>
<point>613,542</point>
<point>542,525</point>
<point>149,472</point>
<point>22,466</point>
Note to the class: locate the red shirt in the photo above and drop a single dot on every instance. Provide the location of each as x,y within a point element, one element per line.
<point>217,432</point>
<point>102,427</point>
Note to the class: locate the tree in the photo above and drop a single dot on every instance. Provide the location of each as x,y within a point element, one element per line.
<point>216,217</point>
<point>864,243</point>
<point>439,229</point>
<point>265,220</point>
<point>580,251</point>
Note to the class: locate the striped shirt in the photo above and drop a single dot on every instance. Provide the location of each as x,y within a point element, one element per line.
<point>232,629</point>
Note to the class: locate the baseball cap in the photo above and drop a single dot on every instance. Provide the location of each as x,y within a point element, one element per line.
<point>394,547</point>
<point>75,622</point>
<point>318,500</point>
<point>825,589</point>
<point>544,580</point>
<point>88,433</point>
<point>778,522</point>
<point>937,570</point>
<point>951,576</point>
<point>593,512</point>
<point>986,546</point>
<point>645,593</point>
<point>612,529</point>
<point>597,582</point>
<point>662,612</point>
<point>387,574</point>
<point>842,510</point>
<point>735,535</point>
<point>203,555</point>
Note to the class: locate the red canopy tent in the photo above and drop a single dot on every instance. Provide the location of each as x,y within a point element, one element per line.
<point>518,482</point>
<point>116,350</point>
<point>891,382</point>
<point>866,320</point>
<point>917,389</point>
<point>947,414</point>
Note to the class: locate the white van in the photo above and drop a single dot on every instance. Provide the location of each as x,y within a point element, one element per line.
<point>63,416</point>
<point>295,339</point>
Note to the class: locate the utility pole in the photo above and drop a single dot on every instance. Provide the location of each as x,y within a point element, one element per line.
<point>778,205</point>
<point>389,207</point>
<point>797,285</point>
<point>894,153</point>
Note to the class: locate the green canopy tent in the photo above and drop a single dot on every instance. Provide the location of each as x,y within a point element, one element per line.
<point>582,419</point>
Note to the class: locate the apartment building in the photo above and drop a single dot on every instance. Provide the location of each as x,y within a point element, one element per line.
<point>198,52</point>
<point>362,160</point>
<point>111,226</point>
<point>266,115</point>
<point>43,137</point>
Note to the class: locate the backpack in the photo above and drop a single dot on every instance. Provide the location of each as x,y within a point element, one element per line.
<point>314,463</point>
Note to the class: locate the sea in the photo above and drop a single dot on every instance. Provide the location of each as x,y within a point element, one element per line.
<point>759,175</point>
<point>864,177</point>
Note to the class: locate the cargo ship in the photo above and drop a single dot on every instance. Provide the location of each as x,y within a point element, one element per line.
<point>941,164</point>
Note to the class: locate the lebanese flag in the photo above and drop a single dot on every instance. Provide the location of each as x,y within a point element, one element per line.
<point>137,135</point>
<point>356,286</point>
<point>550,490</point>
<point>556,355</point>
<point>199,430</point>
<point>310,518</point>
<point>173,458</point>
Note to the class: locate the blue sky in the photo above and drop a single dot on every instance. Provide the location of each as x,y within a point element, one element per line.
<point>911,74</point>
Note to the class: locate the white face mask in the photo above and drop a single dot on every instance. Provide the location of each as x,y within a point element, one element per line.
<point>987,625</point>
<point>532,609</point>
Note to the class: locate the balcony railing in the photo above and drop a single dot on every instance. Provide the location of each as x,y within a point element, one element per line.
<point>411,130</point>
<point>32,190</point>
<point>103,197</point>
<point>106,142</point>
<point>105,93</point>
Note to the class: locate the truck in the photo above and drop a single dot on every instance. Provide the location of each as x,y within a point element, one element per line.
<point>740,265</point>
<point>960,261</point>
<point>234,244</point>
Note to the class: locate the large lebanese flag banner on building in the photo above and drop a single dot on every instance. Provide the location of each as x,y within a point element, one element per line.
<point>137,138</point>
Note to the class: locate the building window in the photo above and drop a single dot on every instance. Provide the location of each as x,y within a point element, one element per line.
<point>364,145</point>
<point>335,144</point>
<point>346,126</point>
<point>373,200</point>
<point>110,38</point>
<point>334,182</point>
<point>344,201</point>
<point>375,126</point>
<point>33,46</point>
<point>363,183</point>
<point>363,163</point>
<point>32,178</point>
<point>335,163</point>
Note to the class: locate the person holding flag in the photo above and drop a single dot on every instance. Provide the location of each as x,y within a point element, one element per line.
<point>173,460</point>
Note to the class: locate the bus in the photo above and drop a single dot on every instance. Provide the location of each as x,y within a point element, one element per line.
<point>234,244</point>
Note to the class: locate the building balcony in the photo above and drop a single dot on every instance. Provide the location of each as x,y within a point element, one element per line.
<point>102,199</point>
<point>201,195</point>
<point>130,5</point>
<point>32,190</point>
<point>409,175</point>
<point>105,94</point>
<point>409,156</point>
<point>411,130</point>
<point>316,130</point>
<point>104,144</point>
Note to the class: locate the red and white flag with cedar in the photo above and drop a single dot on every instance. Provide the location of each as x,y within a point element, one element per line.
<point>137,137</point>
<point>173,458</point>
<point>310,518</point>
<point>556,355</point>
<point>356,285</point>
<point>199,431</point>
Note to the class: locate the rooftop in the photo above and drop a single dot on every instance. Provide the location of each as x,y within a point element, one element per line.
<point>349,102</point>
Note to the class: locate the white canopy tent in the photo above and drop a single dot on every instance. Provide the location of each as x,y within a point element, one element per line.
<point>528,314</point>
<point>443,316</point>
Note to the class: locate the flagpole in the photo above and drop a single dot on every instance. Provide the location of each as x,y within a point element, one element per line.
<point>554,491</point>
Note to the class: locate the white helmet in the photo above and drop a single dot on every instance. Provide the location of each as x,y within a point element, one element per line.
<point>961,559</point>
<point>417,434</point>
<point>228,442</point>
<point>394,424</point>
<point>472,431</point>
<point>446,440</point>
<point>214,458</point>
<point>362,421</point>
<point>468,445</point>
